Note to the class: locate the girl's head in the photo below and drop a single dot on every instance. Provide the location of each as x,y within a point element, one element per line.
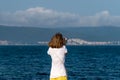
<point>57,41</point>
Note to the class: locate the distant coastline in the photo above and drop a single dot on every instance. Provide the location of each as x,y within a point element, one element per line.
<point>72,41</point>
<point>103,35</point>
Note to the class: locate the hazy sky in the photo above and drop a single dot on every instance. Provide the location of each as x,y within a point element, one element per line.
<point>53,13</point>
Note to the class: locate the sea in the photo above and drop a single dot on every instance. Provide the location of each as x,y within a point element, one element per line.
<point>82,62</point>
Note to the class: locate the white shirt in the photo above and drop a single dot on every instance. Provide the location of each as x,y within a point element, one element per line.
<point>58,59</point>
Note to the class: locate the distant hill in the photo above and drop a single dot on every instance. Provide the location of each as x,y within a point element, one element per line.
<point>35,34</point>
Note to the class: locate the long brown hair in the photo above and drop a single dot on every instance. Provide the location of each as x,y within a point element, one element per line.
<point>57,41</point>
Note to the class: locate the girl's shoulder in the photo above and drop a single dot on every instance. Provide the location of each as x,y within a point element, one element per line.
<point>63,47</point>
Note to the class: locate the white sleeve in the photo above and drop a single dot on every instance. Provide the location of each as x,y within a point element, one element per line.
<point>65,49</point>
<point>48,51</point>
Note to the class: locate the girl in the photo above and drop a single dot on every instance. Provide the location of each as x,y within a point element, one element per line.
<point>57,51</point>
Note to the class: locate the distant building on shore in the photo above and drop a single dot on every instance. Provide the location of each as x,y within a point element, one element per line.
<point>4,42</point>
<point>78,41</point>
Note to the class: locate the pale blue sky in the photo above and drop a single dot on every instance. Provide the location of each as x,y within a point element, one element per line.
<point>82,8</point>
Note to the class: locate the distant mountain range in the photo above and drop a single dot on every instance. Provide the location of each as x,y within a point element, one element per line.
<point>35,34</point>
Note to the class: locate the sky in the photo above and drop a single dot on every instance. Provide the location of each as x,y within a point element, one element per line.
<point>60,13</point>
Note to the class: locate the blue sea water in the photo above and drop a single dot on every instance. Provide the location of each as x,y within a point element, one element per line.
<point>82,63</point>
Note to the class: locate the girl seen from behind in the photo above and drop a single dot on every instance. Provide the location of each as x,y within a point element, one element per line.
<point>57,51</point>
